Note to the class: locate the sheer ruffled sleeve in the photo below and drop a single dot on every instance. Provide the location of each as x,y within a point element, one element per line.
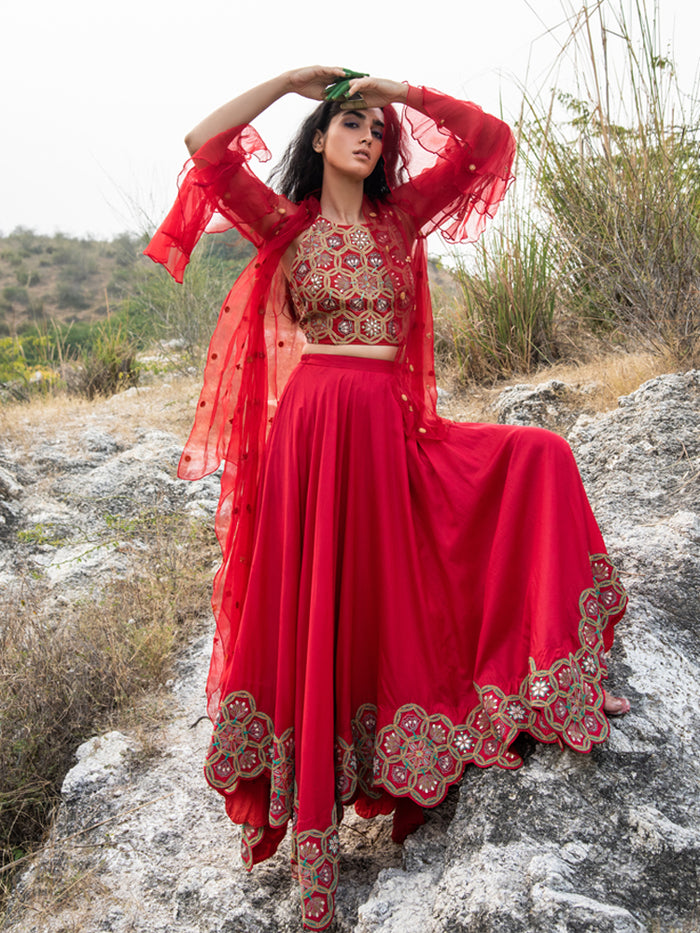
<point>217,190</point>
<point>459,165</point>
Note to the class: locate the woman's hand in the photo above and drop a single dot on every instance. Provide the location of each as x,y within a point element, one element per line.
<point>378,92</point>
<point>312,82</point>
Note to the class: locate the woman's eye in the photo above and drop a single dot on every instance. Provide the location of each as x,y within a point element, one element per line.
<point>351,124</point>
<point>378,135</point>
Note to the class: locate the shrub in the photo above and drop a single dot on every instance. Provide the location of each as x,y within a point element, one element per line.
<point>108,364</point>
<point>25,366</point>
<point>70,294</point>
<point>16,293</point>
<point>503,321</point>
<point>621,185</point>
<point>27,277</point>
<point>184,316</point>
<point>63,679</point>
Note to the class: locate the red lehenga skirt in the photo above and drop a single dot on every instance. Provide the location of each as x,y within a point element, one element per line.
<point>412,606</point>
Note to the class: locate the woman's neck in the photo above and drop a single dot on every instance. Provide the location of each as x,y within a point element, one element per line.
<point>341,199</point>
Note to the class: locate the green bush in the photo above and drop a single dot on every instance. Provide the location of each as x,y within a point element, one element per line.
<point>70,294</point>
<point>26,367</point>
<point>503,321</point>
<point>27,277</point>
<point>15,293</point>
<point>108,364</point>
<point>12,256</point>
<point>182,317</point>
<point>618,176</point>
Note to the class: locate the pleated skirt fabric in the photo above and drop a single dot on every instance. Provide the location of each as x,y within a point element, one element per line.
<point>413,605</point>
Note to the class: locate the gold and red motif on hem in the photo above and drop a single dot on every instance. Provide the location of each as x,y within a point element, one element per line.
<point>250,837</point>
<point>354,762</point>
<point>418,754</point>
<point>314,860</point>
<point>241,745</point>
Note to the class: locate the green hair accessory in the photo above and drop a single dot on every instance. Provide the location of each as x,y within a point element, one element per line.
<point>339,91</point>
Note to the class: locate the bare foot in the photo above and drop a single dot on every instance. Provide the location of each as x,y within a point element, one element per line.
<point>616,706</point>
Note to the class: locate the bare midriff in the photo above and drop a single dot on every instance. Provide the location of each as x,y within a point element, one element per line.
<point>353,349</point>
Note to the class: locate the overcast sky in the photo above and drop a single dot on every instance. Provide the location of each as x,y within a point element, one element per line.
<point>96,98</point>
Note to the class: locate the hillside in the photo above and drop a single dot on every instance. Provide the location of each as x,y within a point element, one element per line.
<point>70,280</point>
<point>60,277</point>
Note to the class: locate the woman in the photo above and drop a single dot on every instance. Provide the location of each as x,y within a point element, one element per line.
<point>399,595</point>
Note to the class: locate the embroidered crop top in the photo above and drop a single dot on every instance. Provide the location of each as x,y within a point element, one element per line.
<point>350,285</point>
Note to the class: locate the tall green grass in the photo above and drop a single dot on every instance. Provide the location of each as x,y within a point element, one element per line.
<point>503,319</point>
<point>616,173</point>
<point>182,317</point>
<point>603,239</point>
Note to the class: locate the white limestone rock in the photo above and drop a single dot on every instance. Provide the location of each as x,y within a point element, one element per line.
<point>101,760</point>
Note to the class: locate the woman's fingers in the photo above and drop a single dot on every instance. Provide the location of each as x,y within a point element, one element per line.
<point>312,81</point>
<point>355,85</point>
<point>377,92</point>
<point>340,89</point>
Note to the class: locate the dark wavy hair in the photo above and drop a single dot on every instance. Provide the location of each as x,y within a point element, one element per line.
<point>300,171</point>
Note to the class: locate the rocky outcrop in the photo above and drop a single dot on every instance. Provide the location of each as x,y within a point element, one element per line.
<point>66,494</point>
<point>602,843</point>
<point>553,405</point>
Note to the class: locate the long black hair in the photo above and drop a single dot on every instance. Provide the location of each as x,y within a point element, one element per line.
<point>300,171</point>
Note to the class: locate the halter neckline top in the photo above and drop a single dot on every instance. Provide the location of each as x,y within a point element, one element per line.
<point>351,284</point>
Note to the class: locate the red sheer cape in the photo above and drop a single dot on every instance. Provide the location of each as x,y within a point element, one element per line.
<point>458,171</point>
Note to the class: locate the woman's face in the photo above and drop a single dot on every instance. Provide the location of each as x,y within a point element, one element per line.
<point>352,144</point>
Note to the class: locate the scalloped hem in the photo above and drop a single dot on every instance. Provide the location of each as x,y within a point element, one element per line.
<point>415,756</point>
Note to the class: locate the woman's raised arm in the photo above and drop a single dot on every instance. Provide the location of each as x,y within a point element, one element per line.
<point>308,82</point>
<point>470,170</point>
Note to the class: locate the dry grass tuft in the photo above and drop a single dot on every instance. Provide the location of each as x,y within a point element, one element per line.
<point>167,404</point>
<point>65,679</point>
<point>606,377</point>
<point>615,170</point>
<point>610,376</point>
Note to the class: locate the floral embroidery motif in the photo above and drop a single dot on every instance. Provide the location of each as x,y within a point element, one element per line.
<point>250,838</point>
<point>345,770</point>
<point>415,757</point>
<point>282,779</point>
<point>347,289</point>
<point>360,238</point>
<point>241,744</point>
<point>371,326</point>
<point>364,734</point>
<point>315,863</point>
<point>609,590</point>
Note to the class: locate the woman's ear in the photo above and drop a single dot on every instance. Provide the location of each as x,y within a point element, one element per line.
<point>317,143</point>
